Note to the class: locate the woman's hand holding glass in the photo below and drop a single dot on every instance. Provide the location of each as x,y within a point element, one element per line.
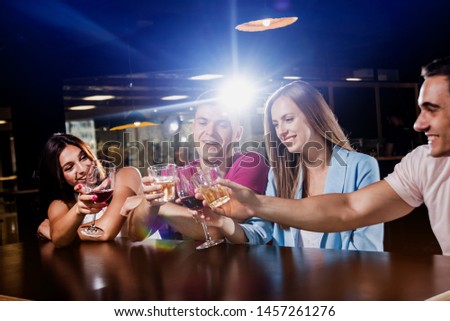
<point>212,195</point>
<point>206,182</point>
<point>87,203</point>
<point>99,185</point>
<point>243,202</point>
<point>161,180</point>
<point>152,191</point>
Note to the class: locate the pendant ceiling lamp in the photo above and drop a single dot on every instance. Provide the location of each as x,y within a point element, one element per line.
<point>266,24</point>
<point>135,120</point>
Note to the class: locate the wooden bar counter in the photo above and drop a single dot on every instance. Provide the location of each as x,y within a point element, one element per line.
<point>175,270</point>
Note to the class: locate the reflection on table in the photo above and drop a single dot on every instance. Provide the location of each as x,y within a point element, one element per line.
<point>19,215</point>
<point>174,270</point>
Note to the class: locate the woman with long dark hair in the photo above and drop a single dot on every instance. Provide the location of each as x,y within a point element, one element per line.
<point>62,173</point>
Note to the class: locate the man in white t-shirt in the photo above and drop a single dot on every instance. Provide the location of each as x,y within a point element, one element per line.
<point>423,176</point>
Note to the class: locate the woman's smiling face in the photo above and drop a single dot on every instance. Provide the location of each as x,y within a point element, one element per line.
<point>291,126</point>
<point>74,164</point>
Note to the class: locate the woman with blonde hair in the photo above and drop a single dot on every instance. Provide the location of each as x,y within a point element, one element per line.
<point>310,155</point>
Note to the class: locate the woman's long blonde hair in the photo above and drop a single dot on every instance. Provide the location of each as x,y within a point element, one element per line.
<point>286,165</point>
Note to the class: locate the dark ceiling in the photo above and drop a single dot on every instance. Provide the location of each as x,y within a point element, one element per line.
<point>105,43</point>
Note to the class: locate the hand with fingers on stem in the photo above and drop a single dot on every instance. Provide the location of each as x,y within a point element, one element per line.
<point>207,215</point>
<point>87,203</point>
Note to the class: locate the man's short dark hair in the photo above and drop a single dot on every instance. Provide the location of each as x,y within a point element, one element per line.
<point>438,67</point>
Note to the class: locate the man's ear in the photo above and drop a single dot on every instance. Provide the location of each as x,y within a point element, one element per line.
<point>238,134</point>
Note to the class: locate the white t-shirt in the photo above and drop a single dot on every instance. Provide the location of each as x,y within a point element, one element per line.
<point>420,178</point>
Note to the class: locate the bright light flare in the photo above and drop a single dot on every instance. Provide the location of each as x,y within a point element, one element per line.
<point>238,93</point>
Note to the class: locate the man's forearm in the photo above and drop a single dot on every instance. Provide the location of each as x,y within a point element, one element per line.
<point>324,213</point>
<point>370,205</point>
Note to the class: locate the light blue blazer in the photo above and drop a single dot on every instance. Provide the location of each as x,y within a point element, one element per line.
<point>349,172</point>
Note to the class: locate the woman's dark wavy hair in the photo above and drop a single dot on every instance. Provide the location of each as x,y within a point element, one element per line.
<point>52,185</point>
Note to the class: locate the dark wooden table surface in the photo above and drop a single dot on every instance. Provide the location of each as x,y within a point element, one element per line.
<point>174,270</point>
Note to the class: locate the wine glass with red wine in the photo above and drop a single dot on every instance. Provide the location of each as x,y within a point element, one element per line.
<point>99,181</point>
<point>186,194</point>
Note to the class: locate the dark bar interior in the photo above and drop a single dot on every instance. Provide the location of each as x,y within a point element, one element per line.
<point>363,56</point>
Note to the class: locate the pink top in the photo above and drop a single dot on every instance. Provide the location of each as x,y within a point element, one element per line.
<point>249,169</point>
<point>420,178</point>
